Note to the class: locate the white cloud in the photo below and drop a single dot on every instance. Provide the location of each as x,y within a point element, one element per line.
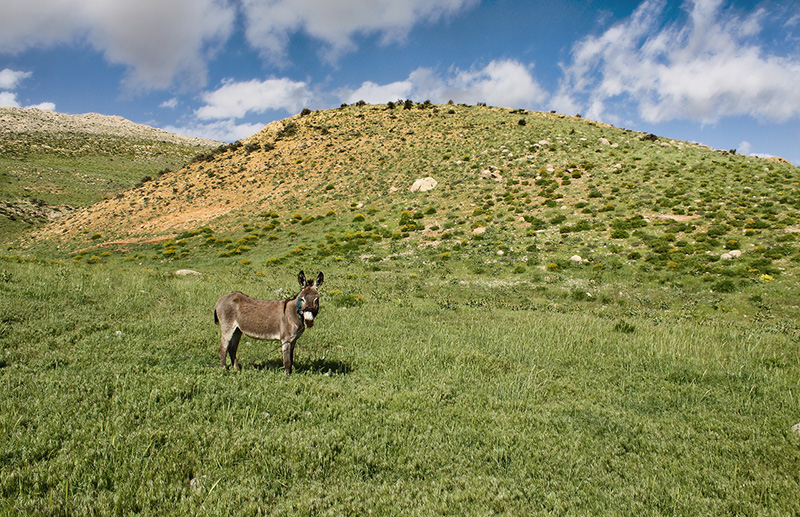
<point>372,93</point>
<point>170,103</point>
<point>220,130</point>
<point>9,100</point>
<point>236,99</point>
<point>161,42</point>
<point>744,147</point>
<point>701,68</point>
<point>10,78</point>
<point>43,106</point>
<point>500,83</point>
<point>269,24</point>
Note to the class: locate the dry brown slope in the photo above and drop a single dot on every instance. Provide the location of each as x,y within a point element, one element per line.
<point>313,163</point>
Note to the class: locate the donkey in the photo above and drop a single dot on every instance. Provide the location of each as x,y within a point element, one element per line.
<point>237,313</point>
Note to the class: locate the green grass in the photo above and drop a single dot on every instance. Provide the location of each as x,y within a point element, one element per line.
<point>461,363</point>
<point>431,396</point>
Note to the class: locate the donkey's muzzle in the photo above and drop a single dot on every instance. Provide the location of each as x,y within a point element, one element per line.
<point>308,318</point>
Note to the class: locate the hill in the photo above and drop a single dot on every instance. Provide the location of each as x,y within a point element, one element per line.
<point>515,189</point>
<point>51,163</point>
<point>576,318</point>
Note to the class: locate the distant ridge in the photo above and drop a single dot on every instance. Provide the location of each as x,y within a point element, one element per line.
<point>34,120</point>
<point>52,163</point>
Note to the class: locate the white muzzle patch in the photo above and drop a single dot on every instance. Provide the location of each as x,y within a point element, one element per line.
<point>308,316</point>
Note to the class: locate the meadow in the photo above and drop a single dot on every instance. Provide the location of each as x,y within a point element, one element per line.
<point>414,393</point>
<point>463,362</point>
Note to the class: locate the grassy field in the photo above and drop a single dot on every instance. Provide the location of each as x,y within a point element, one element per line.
<point>463,362</point>
<point>413,394</point>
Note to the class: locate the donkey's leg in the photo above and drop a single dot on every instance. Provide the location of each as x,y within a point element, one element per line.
<point>288,353</point>
<point>223,349</point>
<point>226,342</point>
<point>237,335</point>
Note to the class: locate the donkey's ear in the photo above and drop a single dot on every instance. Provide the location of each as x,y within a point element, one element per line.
<point>302,279</point>
<point>318,281</point>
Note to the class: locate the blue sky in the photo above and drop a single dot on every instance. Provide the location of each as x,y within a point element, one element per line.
<point>725,73</point>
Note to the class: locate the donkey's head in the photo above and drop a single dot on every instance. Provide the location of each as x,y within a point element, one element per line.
<point>308,299</point>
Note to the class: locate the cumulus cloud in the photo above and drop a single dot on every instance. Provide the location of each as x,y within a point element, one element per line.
<point>43,106</point>
<point>169,103</point>
<point>500,83</point>
<point>701,68</point>
<point>220,130</point>
<point>161,42</point>
<point>269,24</point>
<point>9,100</point>
<point>373,93</point>
<point>235,99</point>
<point>9,79</point>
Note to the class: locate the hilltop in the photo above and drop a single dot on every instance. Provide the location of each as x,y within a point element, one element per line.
<point>51,163</point>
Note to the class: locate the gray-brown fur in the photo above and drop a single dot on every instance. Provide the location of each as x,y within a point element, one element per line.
<point>283,320</point>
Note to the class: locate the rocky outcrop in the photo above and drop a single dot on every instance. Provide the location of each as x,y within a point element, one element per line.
<point>34,120</point>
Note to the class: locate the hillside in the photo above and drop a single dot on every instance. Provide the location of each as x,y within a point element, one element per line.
<point>51,163</point>
<point>514,188</point>
<point>575,319</point>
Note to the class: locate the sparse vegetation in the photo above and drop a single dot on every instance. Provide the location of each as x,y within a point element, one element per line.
<point>508,342</point>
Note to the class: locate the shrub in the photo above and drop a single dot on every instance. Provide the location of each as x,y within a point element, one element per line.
<point>726,285</point>
<point>349,300</point>
<point>624,327</point>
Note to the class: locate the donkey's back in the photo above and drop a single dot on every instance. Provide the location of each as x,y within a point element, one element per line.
<point>259,319</point>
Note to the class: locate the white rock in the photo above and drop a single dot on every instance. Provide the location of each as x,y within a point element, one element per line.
<point>576,259</point>
<point>187,272</point>
<point>603,141</point>
<point>730,255</point>
<point>424,184</point>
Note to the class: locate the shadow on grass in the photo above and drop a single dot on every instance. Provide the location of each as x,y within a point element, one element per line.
<point>317,366</point>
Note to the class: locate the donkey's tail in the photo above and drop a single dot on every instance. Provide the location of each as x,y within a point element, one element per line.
<point>216,319</point>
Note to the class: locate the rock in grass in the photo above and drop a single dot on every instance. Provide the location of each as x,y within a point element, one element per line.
<point>796,428</point>
<point>424,184</point>
<point>187,272</point>
<point>576,259</point>
<point>731,255</point>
